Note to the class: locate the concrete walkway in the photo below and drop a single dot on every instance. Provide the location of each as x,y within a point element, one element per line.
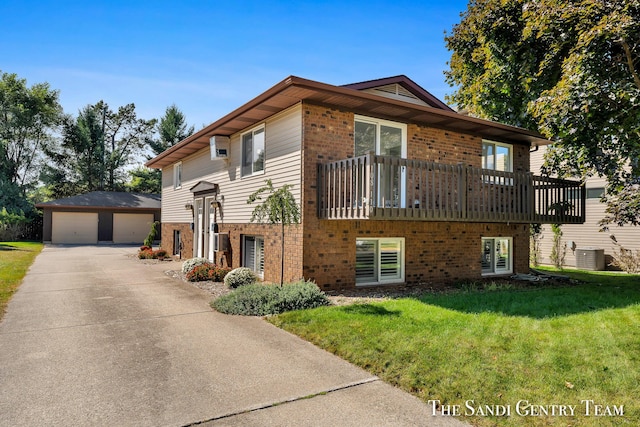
<point>95,338</point>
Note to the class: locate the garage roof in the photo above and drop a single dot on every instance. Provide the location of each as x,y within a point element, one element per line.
<point>293,90</point>
<point>106,200</point>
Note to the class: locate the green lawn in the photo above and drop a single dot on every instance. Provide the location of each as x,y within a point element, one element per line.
<point>15,259</point>
<point>548,346</point>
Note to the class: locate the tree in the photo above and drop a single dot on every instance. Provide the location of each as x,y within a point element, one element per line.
<point>28,117</point>
<point>171,129</point>
<point>96,148</point>
<point>145,180</point>
<point>125,137</point>
<point>570,69</point>
<point>279,207</point>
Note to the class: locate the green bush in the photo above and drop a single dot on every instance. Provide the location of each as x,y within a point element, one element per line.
<point>240,276</point>
<point>262,300</point>
<point>207,271</point>
<point>301,295</point>
<point>188,265</point>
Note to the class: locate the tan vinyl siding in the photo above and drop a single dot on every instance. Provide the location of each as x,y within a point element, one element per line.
<point>283,134</point>
<point>587,235</point>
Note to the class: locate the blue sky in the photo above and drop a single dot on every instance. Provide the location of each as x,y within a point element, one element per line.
<point>210,57</point>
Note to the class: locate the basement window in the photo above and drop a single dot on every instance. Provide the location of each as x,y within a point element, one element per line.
<point>497,255</point>
<point>379,261</point>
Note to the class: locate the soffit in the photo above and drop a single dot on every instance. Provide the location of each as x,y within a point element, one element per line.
<point>294,90</point>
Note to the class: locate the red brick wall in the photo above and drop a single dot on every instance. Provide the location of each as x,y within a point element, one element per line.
<point>186,235</point>
<point>435,252</point>
<point>272,247</point>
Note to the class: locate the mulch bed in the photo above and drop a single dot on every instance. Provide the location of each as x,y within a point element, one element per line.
<point>370,294</point>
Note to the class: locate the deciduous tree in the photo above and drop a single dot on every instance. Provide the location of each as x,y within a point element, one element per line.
<point>28,119</point>
<point>570,69</point>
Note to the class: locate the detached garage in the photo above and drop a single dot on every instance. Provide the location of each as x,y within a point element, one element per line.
<point>100,217</point>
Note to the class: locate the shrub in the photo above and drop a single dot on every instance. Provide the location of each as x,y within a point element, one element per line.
<point>188,265</point>
<point>249,300</point>
<point>146,252</point>
<point>626,260</point>
<point>240,276</point>
<point>262,300</point>
<point>301,295</point>
<point>207,271</point>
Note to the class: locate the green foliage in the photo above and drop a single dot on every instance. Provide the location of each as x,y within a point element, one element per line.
<point>262,300</point>
<point>300,295</point>
<point>172,128</point>
<point>535,235</point>
<point>145,180</point>
<point>207,271</point>
<point>558,247</point>
<point>10,225</point>
<point>569,69</point>
<point>152,234</point>
<point>28,116</point>
<point>240,276</point>
<point>96,149</point>
<point>15,259</point>
<point>189,264</point>
<point>280,207</point>
<point>560,344</point>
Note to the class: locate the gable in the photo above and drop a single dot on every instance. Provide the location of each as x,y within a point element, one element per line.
<point>396,91</point>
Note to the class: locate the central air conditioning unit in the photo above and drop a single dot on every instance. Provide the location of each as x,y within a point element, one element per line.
<point>590,259</point>
<point>219,146</point>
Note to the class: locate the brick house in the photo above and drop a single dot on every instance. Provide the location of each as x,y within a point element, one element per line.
<point>394,187</point>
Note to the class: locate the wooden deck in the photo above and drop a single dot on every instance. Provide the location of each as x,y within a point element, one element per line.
<point>389,188</point>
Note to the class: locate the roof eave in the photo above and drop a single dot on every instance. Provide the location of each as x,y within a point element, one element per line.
<point>317,92</point>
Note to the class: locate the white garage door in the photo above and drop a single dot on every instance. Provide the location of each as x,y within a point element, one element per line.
<point>74,227</point>
<point>131,228</point>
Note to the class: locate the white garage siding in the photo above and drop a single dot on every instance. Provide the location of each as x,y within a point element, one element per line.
<point>74,228</point>
<point>131,227</point>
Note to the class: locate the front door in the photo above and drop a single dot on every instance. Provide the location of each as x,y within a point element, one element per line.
<point>199,229</point>
<point>210,229</point>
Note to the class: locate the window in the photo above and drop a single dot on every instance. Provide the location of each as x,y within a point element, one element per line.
<point>253,151</point>
<point>177,176</point>
<point>595,193</point>
<point>383,137</point>
<point>379,261</point>
<point>253,254</point>
<point>497,156</point>
<point>496,255</point>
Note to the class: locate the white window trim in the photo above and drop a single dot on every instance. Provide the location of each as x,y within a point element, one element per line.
<point>378,240</point>
<point>501,144</point>
<point>259,273</point>
<point>382,122</point>
<point>509,270</point>
<point>177,176</point>
<point>253,131</point>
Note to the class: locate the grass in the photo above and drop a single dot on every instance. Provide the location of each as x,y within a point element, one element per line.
<point>553,345</point>
<point>15,259</point>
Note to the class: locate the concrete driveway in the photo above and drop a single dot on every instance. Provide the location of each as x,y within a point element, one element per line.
<point>95,338</point>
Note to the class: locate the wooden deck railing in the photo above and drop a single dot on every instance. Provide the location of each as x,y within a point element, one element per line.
<point>381,187</point>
